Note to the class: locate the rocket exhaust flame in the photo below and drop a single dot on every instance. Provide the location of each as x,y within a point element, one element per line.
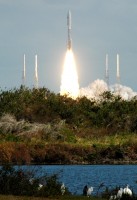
<point>69,80</point>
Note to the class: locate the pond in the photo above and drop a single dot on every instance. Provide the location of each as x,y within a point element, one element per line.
<point>75,177</point>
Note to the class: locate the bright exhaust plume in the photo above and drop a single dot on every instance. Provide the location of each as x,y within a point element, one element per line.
<point>69,79</point>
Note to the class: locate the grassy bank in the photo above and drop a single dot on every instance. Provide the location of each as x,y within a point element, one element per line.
<point>91,149</point>
<point>111,149</point>
<point>5,197</point>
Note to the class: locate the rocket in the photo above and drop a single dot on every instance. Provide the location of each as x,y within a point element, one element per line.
<point>69,42</point>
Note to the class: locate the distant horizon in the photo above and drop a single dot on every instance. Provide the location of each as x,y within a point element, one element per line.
<point>93,91</point>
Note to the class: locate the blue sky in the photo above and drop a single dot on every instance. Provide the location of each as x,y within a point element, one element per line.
<point>40,27</point>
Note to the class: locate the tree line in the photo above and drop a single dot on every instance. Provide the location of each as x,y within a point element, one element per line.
<point>40,105</point>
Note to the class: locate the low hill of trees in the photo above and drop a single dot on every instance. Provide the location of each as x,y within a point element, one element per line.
<point>46,127</point>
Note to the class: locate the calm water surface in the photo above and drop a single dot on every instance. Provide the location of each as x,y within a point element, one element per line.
<point>76,177</point>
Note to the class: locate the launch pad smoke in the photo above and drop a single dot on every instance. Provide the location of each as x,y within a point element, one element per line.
<point>95,89</point>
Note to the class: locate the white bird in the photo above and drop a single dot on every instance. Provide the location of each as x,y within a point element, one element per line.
<point>113,197</point>
<point>89,191</point>
<point>31,180</point>
<point>127,191</point>
<point>40,186</point>
<point>120,193</point>
<point>62,188</point>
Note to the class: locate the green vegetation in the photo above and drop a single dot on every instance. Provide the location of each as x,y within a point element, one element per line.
<point>21,182</point>
<point>45,127</point>
<point>18,183</point>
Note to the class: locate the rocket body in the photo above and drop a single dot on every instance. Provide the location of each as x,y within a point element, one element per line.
<point>69,43</point>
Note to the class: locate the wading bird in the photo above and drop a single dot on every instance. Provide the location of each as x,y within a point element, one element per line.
<point>62,189</point>
<point>127,191</point>
<point>89,191</point>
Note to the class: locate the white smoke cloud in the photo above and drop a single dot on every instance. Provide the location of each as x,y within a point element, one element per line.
<point>95,89</point>
<point>125,92</point>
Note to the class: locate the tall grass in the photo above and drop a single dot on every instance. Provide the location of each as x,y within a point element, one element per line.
<point>121,139</point>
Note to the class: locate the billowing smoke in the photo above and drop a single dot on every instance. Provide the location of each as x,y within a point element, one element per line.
<point>95,89</point>
<point>125,92</point>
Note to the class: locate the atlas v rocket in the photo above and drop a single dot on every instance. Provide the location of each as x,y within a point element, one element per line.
<point>69,42</point>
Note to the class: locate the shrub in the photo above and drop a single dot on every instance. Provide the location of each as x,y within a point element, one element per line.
<point>16,182</point>
<point>20,182</point>
<point>52,187</point>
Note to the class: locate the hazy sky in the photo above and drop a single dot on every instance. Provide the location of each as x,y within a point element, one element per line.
<point>40,27</point>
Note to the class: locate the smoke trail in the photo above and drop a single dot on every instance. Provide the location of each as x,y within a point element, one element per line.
<point>94,90</point>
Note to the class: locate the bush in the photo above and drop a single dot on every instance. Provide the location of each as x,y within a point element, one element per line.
<point>16,182</point>
<point>23,183</point>
<point>52,187</point>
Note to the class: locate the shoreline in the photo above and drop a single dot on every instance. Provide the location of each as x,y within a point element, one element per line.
<point>77,163</point>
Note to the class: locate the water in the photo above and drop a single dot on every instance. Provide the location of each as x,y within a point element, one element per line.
<point>75,177</point>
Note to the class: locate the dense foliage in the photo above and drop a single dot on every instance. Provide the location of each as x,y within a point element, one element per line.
<point>45,127</point>
<point>41,105</point>
<point>27,183</point>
